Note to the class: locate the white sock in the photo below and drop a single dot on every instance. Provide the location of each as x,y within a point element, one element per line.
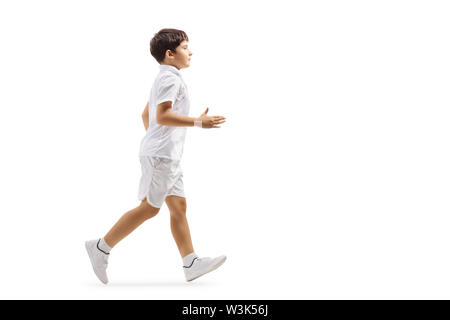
<point>187,260</point>
<point>103,246</point>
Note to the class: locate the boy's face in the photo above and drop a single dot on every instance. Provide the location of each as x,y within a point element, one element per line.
<point>181,59</point>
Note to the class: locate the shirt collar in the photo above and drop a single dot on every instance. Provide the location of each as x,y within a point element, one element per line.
<point>167,67</point>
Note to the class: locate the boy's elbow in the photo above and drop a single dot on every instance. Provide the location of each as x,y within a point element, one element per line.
<point>160,118</point>
<point>162,112</point>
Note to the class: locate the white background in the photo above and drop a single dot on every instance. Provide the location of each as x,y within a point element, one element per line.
<point>329,180</point>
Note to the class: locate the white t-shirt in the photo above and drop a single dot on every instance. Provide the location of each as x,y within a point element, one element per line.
<point>166,141</point>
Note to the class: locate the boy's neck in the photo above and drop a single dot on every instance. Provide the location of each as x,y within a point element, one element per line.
<point>167,64</point>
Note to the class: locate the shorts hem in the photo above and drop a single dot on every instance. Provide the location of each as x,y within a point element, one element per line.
<point>175,194</point>
<point>150,203</point>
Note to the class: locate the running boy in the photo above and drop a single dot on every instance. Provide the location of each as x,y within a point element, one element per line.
<point>166,120</point>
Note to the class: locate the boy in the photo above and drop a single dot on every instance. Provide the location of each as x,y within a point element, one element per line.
<point>166,120</point>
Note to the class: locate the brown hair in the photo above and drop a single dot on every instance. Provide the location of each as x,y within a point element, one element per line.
<point>166,39</point>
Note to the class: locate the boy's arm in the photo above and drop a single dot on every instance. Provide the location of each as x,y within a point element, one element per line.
<point>145,117</point>
<point>165,116</point>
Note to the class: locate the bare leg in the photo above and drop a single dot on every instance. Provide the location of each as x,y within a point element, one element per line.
<point>179,225</point>
<point>130,221</point>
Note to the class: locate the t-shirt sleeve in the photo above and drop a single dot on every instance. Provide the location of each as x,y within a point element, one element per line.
<point>167,89</point>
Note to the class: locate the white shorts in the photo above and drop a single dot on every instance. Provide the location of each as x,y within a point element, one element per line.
<point>161,177</point>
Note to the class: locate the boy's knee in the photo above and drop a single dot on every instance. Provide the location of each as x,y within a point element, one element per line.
<point>182,206</point>
<point>179,212</point>
<point>177,206</point>
<point>177,215</point>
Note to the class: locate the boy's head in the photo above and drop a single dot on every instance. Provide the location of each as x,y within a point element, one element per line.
<point>170,46</point>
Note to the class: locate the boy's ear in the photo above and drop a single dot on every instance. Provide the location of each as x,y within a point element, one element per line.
<point>169,52</point>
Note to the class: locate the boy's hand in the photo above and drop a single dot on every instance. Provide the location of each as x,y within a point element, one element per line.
<point>210,121</point>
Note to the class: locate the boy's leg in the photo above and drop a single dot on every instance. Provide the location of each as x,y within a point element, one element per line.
<point>193,266</point>
<point>130,221</point>
<point>179,225</point>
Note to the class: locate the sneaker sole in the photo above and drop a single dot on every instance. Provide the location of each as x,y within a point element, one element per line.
<point>212,269</point>
<point>92,263</point>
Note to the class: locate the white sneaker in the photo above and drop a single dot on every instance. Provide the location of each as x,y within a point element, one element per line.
<point>99,259</point>
<point>201,266</point>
